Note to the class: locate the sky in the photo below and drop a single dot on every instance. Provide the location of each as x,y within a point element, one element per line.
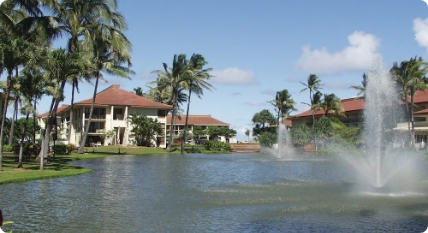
<point>257,48</point>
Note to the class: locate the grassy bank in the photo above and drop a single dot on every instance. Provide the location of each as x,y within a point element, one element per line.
<point>60,167</point>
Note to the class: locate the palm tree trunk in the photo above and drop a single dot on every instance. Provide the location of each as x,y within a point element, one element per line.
<point>4,119</point>
<point>85,133</point>
<point>50,121</point>
<point>34,120</point>
<point>171,130</point>
<point>412,122</point>
<point>21,144</point>
<point>71,115</point>
<point>12,124</point>
<point>185,124</point>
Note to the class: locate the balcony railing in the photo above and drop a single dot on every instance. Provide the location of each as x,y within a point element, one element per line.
<point>96,130</point>
<point>102,117</point>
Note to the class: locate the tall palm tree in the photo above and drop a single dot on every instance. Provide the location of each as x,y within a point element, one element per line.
<point>313,85</point>
<point>197,82</point>
<point>174,78</point>
<point>60,66</point>
<point>110,50</point>
<point>409,76</point>
<point>283,104</point>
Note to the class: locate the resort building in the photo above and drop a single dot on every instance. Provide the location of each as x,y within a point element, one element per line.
<point>205,121</point>
<point>354,112</point>
<point>109,123</point>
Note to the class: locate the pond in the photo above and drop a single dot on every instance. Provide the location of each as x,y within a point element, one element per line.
<point>209,193</point>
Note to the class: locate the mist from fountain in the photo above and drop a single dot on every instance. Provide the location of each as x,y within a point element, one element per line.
<point>283,149</point>
<point>382,164</point>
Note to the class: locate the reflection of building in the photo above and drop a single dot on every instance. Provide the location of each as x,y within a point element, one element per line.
<point>354,111</point>
<point>204,121</point>
<point>112,107</point>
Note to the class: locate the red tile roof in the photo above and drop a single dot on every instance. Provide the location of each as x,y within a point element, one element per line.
<point>116,96</point>
<point>197,120</point>
<point>58,110</point>
<point>349,105</point>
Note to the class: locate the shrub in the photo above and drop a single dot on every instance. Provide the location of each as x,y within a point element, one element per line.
<point>7,148</point>
<point>29,149</point>
<point>70,148</point>
<point>217,146</point>
<point>60,149</point>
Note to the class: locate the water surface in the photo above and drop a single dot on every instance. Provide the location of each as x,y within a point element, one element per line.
<point>210,193</point>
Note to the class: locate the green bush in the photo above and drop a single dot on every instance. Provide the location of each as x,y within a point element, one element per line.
<point>7,148</point>
<point>70,148</point>
<point>217,146</point>
<point>29,149</point>
<point>60,149</point>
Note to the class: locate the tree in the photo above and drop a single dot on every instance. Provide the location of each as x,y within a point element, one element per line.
<point>262,120</point>
<point>313,85</point>
<point>361,89</point>
<point>283,104</point>
<point>331,104</point>
<point>138,91</point>
<point>196,83</point>
<point>409,76</point>
<point>173,79</point>
<point>198,131</point>
<point>145,129</point>
<point>60,67</point>
<point>247,133</point>
<point>110,49</point>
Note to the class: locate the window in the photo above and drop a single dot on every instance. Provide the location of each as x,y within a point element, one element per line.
<point>161,113</point>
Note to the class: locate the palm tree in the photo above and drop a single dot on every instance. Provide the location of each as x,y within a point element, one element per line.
<point>60,66</point>
<point>173,79</point>
<point>313,85</point>
<point>283,104</point>
<point>331,104</point>
<point>409,76</point>
<point>196,83</point>
<point>110,50</point>
<point>77,19</point>
<point>138,91</point>
<point>14,52</point>
<point>361,89</point>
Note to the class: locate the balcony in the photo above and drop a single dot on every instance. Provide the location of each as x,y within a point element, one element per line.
<point>96,130</point>
<point>96,117</point>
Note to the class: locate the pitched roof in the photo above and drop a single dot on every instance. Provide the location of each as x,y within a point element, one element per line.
<point>116,96</point>
<point>197,120</point>
<point>349,105</point>
<point>58,110</point>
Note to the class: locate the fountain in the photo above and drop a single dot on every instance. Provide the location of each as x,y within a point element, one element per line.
<point>382,166</point>
<point>284,148</point>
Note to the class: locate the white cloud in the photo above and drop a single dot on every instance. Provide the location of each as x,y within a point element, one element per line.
<point>357,56</point>
<point>420,27</point>
<point>234,76</point>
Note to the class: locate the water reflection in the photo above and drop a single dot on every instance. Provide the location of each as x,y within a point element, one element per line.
<point>208,193</point>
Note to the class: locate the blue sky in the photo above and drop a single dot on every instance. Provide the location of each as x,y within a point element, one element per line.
<point>256,48</point>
